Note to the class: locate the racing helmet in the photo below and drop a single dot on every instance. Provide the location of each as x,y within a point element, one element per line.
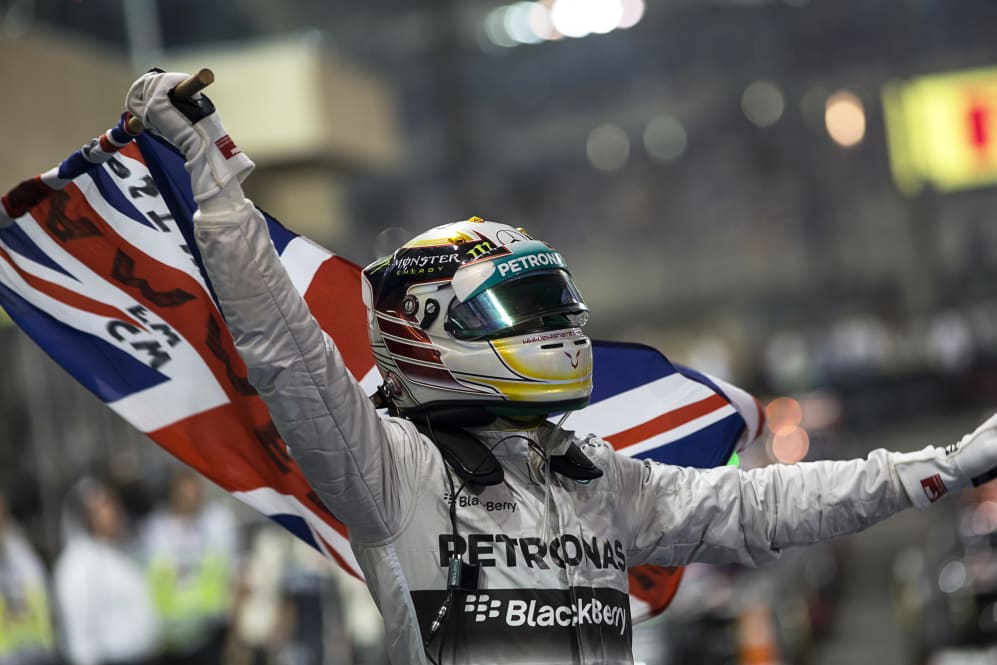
<point>476,319</point>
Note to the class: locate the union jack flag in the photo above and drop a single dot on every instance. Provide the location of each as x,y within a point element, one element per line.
<point>99,267</point>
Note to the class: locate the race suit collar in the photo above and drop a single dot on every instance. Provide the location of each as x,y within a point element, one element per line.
<point>507,438</point>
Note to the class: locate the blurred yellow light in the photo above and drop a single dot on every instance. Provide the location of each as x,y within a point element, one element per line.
<point>844,117</point>
<point>783,415</point>
<point>942,130</point>
<point>791,447</point>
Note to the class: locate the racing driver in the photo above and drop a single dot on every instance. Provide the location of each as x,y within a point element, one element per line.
<point>476,330</point>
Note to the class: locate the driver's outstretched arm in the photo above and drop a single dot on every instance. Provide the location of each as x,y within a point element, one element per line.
<point>678,515</point>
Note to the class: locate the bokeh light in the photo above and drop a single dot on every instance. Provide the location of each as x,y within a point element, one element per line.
<point>763,103</point>
<point>633,12</point>
<point>952,577</point>
<point>608,148</point>
<point>540,23</point>
<point>495,30</point>
<point>783,415</point>
<point>518,25</point>
<point>665,138</point>
<point>844,117</point>
<point>791,446</point>
<point>529,22</point>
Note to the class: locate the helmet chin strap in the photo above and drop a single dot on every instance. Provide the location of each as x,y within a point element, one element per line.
<point>382,400</point>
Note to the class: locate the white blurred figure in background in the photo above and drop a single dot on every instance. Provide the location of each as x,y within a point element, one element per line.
<point>291,609</point>
<point>106,612</point>
<point>190,546</point>
<point>25,622</point>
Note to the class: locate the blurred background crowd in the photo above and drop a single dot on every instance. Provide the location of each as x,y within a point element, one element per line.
<point>795,195</point>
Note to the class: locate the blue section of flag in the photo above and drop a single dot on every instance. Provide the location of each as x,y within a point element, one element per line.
<point>621,366</point>
<point>706,448</point>
<point>278,234</point>
<point>297,526</point>
<point>103,369</point>
<point>74,166</point>
<point>110,193</point>
<point>18,241</point>
<point>167,168</point>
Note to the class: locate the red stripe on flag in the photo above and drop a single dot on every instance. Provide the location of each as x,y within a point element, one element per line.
<point>25,196</point>
<point>235,446</point>
<point>666,421</point>
<point>334,298</point>
<point>106,145</point>
<point>655,585</point>
<point>173,295</point>
<point>69,297</point>
<point>334,553</point>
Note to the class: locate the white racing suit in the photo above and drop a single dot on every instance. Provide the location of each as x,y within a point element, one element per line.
<point>554,597</point>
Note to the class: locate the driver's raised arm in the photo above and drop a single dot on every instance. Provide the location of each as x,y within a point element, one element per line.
<point>332,429</point>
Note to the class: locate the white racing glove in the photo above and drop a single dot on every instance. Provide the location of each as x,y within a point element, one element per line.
<point>193,126</point>
<point>930,474</point>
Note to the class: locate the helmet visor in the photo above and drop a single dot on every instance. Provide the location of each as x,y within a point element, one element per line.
<point>538,301</point>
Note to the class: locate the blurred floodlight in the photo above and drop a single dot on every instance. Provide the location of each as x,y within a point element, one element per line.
<point>528,22</point>
<point>540,22</point>
<point>791,446</point>
<point>633,12</point>
<point>608,148</point>
<point>605,15</point>
<point>571,17</point>
<point>952,577</point>
<point>665,138</point>
<point>763,103</point>
<point>783,415</point>
<point>495,28</point>
<point>844,117</point>
<point>517,23</point>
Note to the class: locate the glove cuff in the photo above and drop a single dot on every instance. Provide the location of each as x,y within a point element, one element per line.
<point>928,475</point>
<point>215,160</point>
